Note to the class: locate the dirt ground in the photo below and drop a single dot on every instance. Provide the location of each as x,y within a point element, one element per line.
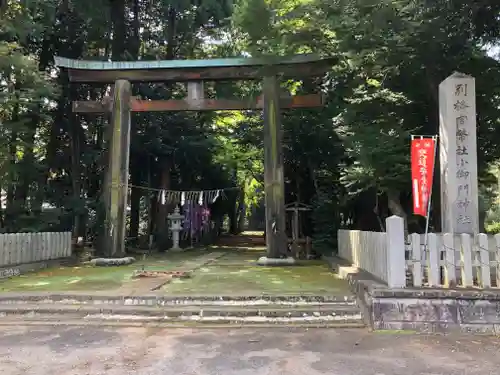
<point>152,351</point>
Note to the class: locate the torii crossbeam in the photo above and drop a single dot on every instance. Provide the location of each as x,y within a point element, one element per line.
<point>194,73</point>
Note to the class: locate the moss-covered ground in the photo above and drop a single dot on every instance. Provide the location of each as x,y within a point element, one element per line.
<point>235,273</point>
<point>89,278</point>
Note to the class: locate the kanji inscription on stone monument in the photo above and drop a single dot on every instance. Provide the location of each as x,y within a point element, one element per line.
<point>458,154</point>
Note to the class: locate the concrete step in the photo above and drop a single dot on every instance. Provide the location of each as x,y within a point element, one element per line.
<point>194,314</point>
<point>155,300</point>
<point>70,322</point>
<point>187,310</point>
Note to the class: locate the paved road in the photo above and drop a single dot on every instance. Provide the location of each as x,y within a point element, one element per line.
<point>121,351</point>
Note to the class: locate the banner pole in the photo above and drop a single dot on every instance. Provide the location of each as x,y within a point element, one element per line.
<point>427,217</point>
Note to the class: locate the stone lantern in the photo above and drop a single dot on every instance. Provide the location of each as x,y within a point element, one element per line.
<point>175,227</point>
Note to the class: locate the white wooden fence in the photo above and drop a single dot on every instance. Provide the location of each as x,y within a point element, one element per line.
<point>370,251</point>
<point>365,250</point>
<point>21,248</point>
<point>447,260</point>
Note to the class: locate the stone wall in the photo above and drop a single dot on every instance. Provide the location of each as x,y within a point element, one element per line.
<point>435,311</point>
<point>12,271</point>
<point>423,309</point>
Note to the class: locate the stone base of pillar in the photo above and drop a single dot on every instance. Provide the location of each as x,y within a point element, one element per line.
<point>176,249</point>
<point>265,261</point>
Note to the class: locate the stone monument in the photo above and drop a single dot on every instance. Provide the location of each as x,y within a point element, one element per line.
<point>458,155</point>
<point>175,227</point>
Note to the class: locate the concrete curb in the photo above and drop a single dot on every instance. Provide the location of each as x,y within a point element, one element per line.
<point>317,311</point>
<point>178,325</point>
<point>158,299</point>
<point>315,315</point>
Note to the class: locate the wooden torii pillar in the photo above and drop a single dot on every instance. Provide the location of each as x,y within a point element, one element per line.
<point>274,184</point>
<point>116,181</point>
<point>194,72</point>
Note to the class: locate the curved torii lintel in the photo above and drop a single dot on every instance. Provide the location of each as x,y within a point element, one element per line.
<point>243,68</point>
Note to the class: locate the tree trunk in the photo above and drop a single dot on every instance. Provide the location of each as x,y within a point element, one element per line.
<point>165,163</point>
<point>241,219</point>
<point>241,214</point>
<point>26,176</point>
<point>233,213</point>
<point>394,203</point>
<point>135,42</point>
<point>152,198</point>
<point>135,198</point>
<point>75,133</point>
<point>171,32</point>
<point>313,176</point>
<point>433,89</point>
<point>11,210</point>
<point>1,207</point>
<point>136,155</point>
<point>162,213</point>
<point>119,42</point>
<point>100,183</point>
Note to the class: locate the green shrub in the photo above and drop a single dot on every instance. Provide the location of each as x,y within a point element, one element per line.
<point>493,228</point>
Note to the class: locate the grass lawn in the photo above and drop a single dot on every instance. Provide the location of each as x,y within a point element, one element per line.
<point>88,278</point>
<point>236,273</point>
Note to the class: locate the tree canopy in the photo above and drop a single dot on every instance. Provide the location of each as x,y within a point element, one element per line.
<point>349,159</point>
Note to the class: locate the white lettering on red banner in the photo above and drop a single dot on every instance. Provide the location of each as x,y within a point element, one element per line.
<point>422,169</point>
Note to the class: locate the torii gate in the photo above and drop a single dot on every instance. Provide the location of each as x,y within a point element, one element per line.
<point>195,72</point>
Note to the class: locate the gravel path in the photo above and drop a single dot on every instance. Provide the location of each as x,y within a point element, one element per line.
<point>120,351</point>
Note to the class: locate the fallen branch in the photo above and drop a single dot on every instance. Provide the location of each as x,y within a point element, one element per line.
<point>172,274</point>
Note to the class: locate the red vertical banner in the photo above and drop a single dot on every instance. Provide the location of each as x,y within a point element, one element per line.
<point>422,169</point>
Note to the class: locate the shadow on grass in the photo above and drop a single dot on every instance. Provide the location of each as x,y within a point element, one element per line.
<point>89,278</point>
<point>235,272</point>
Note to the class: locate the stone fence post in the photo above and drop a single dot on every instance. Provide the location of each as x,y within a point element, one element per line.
<point>396,263</point>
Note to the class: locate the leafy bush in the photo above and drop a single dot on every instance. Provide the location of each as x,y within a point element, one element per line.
<point>493,228</point>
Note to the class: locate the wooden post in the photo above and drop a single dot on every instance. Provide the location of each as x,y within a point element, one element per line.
<point>296,231</point>
<point>195,90</point>
<point>276,240</point>
<point>117,173</point>
<point>395,268</point>
<point>195,94</point>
